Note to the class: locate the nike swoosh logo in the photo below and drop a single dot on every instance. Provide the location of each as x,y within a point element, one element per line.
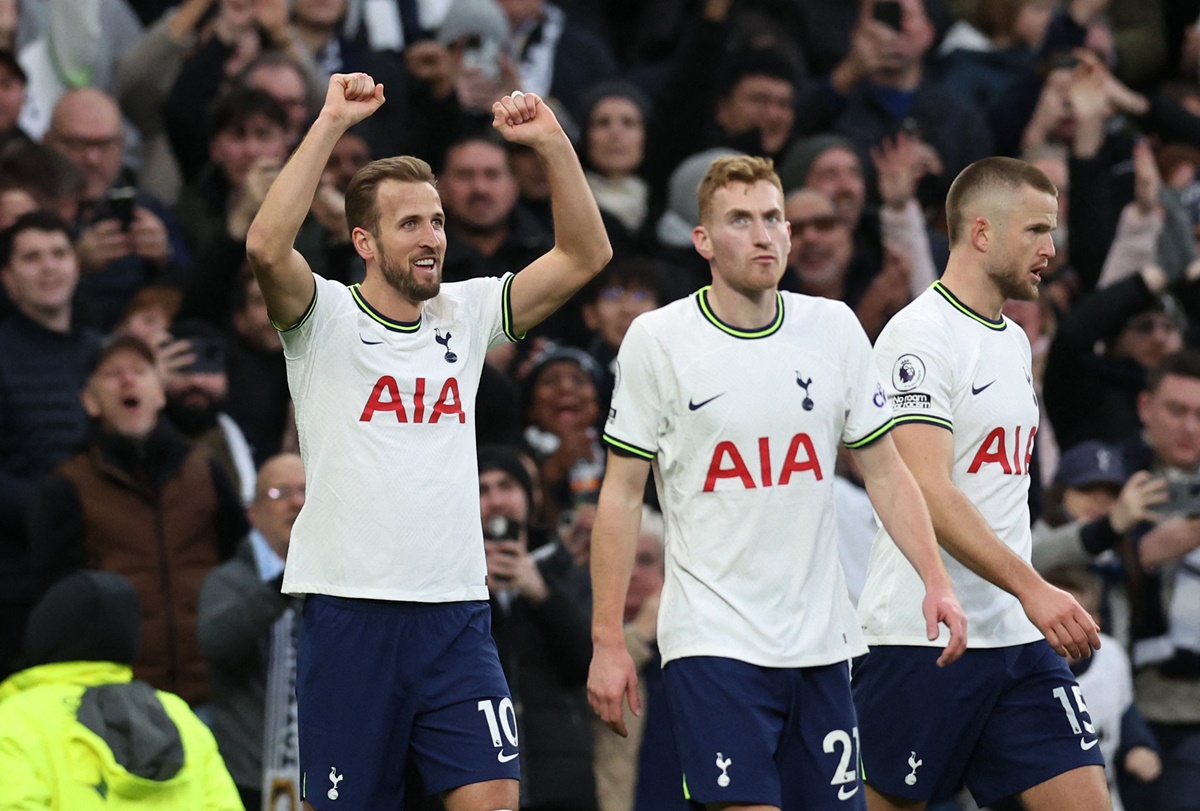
<point>369,343</point>
<point>846,795</point>
<point>1086,745</point>
<point>981,388</point>
<point>693,405</point>
<point>503,758</point>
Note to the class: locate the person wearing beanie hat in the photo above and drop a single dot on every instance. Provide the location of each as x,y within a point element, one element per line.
<point>540,604</point>
<point>389,444</point>
<point>613,148</point>
<point>78,733</point>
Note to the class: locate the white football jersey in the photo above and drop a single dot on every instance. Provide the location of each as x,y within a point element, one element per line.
<point>945,365</point>
<point>386,417</point>
<point>743,430</point>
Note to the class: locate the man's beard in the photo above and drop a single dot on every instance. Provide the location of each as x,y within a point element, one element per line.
<point>192,420</point>
<point>404,282</point>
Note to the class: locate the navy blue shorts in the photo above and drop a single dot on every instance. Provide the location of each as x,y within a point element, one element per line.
<point>999,719</point>
<point>380,682</point>
<point>746,734</point>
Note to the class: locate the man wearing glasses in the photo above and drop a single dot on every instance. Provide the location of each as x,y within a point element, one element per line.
<point>246,629</point>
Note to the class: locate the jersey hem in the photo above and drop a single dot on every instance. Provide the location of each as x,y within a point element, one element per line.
<point>832,657</point>
<point>394,595</point>
<point>903,640</point>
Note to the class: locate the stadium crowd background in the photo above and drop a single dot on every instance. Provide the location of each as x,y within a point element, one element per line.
<point>152,129</point>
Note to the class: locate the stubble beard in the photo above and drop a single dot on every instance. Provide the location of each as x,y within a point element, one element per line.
<point>404,282</point>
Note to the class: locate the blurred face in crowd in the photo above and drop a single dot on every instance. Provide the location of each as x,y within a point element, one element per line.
<point>278,498</point>
<point>1089,503</point>
<point>563,399</point>
<point>530,175</point>
<point>86,127</point>
<point>236,149</point>
<point>1148,338</point>
<point>501,495</point>
<point>41,277</point>
<point>253,322</point>
<point>1171,417</point>
<point>350,154</point>
<point>745,236</point>
<point>519,11</point>
<point>836,173</point>
<point>646,579</point>
<point>125,394</point>
<point>616,136</point>
<point>614,309</point>
<point>477,187</point>
<point>1033,19</point>
<point>576,533</point>
<point>288,88</point>
<point>321,13</point>
<point>12,97</point>
<point>763,102</point>
<point>903,50</point>
<point>821,242</point>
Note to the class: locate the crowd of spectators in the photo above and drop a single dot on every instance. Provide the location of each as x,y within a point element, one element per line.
<point>142,384</point>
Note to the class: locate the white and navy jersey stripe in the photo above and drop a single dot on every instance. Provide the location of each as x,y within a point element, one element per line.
<point>742,428</point>
<point>386,416</point>
<point>946,365</point>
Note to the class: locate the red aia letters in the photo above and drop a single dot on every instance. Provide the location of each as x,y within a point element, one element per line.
<point>385,397</point>
<point>727,463</point>
<point>994,450</point>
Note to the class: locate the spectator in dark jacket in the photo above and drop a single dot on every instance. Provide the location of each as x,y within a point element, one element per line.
<point>43,354</point>
<point>247,631</point>
<point>541,621</point>
<point>141,502</point>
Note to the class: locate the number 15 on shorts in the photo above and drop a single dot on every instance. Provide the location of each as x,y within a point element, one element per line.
<point>1080,725</point>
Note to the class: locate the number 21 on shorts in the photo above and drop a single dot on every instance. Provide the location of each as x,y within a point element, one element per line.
<point>845,778</point>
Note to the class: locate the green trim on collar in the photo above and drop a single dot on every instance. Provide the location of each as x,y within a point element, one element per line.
<point>394,326</point>
<point>954,302</point>
<point>711,317</point>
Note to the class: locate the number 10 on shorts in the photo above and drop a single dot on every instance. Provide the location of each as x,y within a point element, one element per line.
<point>501,716</point>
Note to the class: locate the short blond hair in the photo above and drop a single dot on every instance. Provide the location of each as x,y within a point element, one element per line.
<point>734,169</point>
<point>985,177</point>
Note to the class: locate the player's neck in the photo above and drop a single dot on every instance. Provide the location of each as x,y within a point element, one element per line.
<point>388,302</point>
<point>748,310</point>
<point>973,287</point>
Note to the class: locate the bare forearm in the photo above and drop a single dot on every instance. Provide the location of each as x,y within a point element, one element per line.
<point>904,515</point>
<point>578,230</point>
<point>966,535</point>
<point>614,542</point>
<point>286,204</point>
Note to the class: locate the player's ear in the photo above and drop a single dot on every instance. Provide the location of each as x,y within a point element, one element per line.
<point>981,232</point>
<point>702,242</point>
<point>364,243</point>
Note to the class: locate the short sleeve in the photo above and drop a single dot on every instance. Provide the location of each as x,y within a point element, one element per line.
<point>868,414</point>
<point>298,338</point>
<point>913,361</point>
<point>492,298</point>
<point>637,403</point>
